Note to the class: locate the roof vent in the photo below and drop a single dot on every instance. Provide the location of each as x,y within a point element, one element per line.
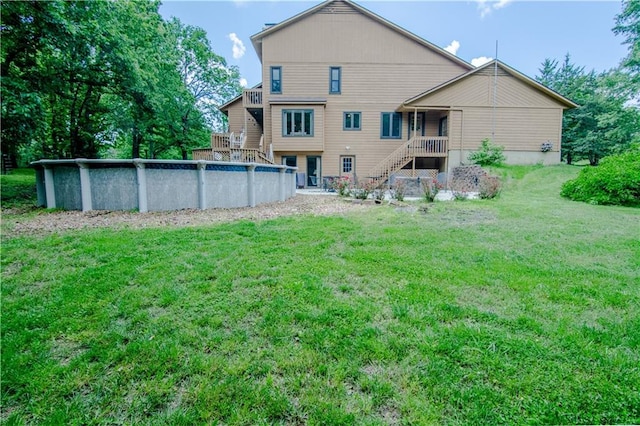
<point>268,25</point>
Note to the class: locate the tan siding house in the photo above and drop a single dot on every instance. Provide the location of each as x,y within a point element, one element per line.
<point>346,92</point>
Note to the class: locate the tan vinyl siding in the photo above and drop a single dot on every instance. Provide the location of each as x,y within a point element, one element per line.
<point>235,113</point>
<point>346,38</point>
<point>240,119</point>
<point>517,129</point>
<point>478,90</point>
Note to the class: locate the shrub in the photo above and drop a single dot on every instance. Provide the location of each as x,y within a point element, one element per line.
<point>341,185</point>
<point>398,189</point>
<point>488,154</point>
<point>363,191</point>
<point>460,195</point>
<point>378,194</point>
<point>430,188</point>
<point>616,180</point>
<point>489,187</point>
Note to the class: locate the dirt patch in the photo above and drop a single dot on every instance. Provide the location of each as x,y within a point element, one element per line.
<point>17,224</point>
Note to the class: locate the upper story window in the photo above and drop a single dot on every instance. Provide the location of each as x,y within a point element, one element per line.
<point>297,122</point>
<point>390,125</point>
<point>334,80</point>
<point>352,121</point>
<point>276,79</point>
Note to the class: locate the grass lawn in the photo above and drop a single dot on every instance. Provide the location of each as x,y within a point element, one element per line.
<point>519,310</point>
<point>18,189</point>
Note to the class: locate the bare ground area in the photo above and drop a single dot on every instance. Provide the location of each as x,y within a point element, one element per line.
<point>44,222</point>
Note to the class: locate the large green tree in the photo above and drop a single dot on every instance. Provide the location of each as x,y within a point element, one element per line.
<point>208,83</point>
<point>628,25</point>
<point>80,79</point>
<point>605,122</point>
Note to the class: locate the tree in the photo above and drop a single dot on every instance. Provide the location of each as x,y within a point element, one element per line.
<point>208,82</point>
<point>83,78</point>
<point>27,29</point>
<point>603,123</point>
<point>628,25</point>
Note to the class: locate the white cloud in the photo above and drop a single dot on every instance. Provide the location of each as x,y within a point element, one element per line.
<point>486,6</point>
<point>238,48</point>
<point>453,47</point>
<point>476,62</point>
<point>243,82</point>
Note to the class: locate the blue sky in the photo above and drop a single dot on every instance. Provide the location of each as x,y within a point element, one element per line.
<point>527,32</point>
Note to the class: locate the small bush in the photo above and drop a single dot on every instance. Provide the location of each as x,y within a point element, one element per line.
<point>430,188</point>
<point>363,191</point>
<point>488,154</point>
<point>489,187</point>
<point>398,190</point>
<point>341,185</point>
<point>460,195</point>
<point>616,181</point>
<point>378,194</point>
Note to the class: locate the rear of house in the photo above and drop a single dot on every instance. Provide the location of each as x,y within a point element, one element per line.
<point>347,93</point>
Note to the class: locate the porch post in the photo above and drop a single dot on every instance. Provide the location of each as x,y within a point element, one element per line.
<point>415,121</point>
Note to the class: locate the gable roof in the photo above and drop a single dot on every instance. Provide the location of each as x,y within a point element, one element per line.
<point>567,103</point>
<point>256,39</point>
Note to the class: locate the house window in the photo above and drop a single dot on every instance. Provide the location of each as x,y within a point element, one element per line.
<point>290,160</point>
<point>347,164</point>
<point>297,122</point>
<point>391,123</point>
<point>276,79</point>
<point>443,128</point>
<point>352,121</point>
<point>334,80</point>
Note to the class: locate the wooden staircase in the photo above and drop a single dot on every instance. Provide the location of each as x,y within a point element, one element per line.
<point>420,146</point>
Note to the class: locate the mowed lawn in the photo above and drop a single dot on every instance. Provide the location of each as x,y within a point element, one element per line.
<point>519,310</point>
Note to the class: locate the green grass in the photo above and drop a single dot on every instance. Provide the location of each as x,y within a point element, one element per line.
<point>519,310</point>
<point>18,189</point>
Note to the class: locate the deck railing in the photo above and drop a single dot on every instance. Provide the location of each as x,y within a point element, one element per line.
<point>219,140</point>
<point>252,98</point>
<point>244,155</point>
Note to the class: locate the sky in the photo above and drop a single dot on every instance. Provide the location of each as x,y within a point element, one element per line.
<point>525,32</point>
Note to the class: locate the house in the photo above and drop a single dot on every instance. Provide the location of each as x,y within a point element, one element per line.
<point>347,93</point>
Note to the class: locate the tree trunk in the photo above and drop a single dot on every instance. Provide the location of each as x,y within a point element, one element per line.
<point>136,140</point>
